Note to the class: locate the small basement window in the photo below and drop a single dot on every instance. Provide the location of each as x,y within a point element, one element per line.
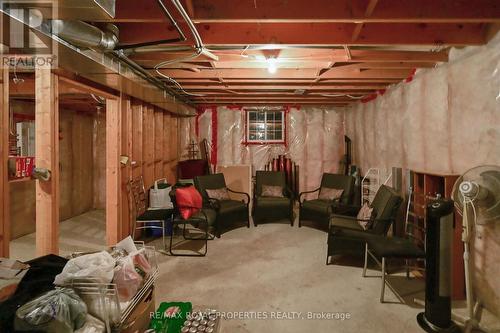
<point>265,126</point>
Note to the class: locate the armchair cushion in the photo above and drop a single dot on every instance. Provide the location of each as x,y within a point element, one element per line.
<point>343,182</point>
<point>386,204</point>
<point>328,193</point>
<point>272,202</point>
<point>231,206</point>
<point>207,214</point>
<point>266,178</point>
<point>209,182</point>
<point>316,207</point>
<point>218,194</point>
<point>394,247</point>
<point>365,216</point>
<point>344,222</point>
<point>272,191</point>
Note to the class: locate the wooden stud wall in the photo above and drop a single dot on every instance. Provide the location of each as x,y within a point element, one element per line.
<point>145,134</point>
<point>47,156</point>
<point>149,140</point>
<point>4,156</point>
<point>113,178</point>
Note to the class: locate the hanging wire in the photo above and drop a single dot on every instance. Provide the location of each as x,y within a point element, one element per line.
<point>343,95</point>
<point>98,99</point>
<point>198,50</point>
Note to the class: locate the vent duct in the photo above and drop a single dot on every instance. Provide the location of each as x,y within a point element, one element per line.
<point>85,35</point>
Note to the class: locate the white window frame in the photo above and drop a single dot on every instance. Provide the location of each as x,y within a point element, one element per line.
<point>265,140</point>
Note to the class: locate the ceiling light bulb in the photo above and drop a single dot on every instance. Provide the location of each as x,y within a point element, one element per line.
<point>271,65</point>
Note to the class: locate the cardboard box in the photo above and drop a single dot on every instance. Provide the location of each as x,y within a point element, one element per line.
<point>138,320</point>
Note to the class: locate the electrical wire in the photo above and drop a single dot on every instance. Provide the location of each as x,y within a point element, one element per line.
<point>198,50</point>
<point>343,95</point>
<point>100,100</point>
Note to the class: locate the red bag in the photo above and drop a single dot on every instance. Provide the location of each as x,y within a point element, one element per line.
<point>188,200</point>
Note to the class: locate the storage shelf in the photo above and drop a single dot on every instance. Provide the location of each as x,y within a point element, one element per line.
<point>19,180</point>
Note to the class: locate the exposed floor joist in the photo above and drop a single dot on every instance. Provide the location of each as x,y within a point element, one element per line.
<point>347,11</point>
<point>318,45</point>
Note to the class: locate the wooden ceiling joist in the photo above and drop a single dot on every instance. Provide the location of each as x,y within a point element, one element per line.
<point>316,33</point>
<point>256,102</point>
<point>319,46</point>
<point>346,11</point>
<point>289,73</point>
<point>260,87</point>
<point>333,55</point>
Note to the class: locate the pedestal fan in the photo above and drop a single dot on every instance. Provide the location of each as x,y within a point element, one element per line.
<point>477,197</point>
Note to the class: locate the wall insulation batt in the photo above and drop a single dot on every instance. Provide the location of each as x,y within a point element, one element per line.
<point>314,140</point>
<point>446,120</point>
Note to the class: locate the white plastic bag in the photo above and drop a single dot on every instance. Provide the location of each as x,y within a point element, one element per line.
<point>159,195</point>
<point>98,266</point>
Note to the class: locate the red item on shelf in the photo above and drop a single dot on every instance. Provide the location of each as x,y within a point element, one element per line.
<point>30,164</point>
<point>18,167</point>
<point>23,166</point>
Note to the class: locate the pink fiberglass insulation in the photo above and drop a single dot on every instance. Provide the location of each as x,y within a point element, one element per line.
<point>314,141</point>
<point>445,121</point>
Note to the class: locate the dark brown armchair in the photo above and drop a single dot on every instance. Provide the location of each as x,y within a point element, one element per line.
<point>320,209</point>
<point>228,211</point>
<point>346,236</point>
<point>269,208</point>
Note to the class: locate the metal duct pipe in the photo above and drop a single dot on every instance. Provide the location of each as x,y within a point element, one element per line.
<point>82,34</point>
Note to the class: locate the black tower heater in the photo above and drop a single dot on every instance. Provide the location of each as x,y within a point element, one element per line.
<point>437,315</point>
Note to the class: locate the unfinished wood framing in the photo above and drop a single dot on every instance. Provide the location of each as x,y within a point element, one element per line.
<point>148,145</point>
<point>148,139</point>
<point>126,168</point>
<point>113,178</point>
<point>47,156</point>
<point>4,157</point>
